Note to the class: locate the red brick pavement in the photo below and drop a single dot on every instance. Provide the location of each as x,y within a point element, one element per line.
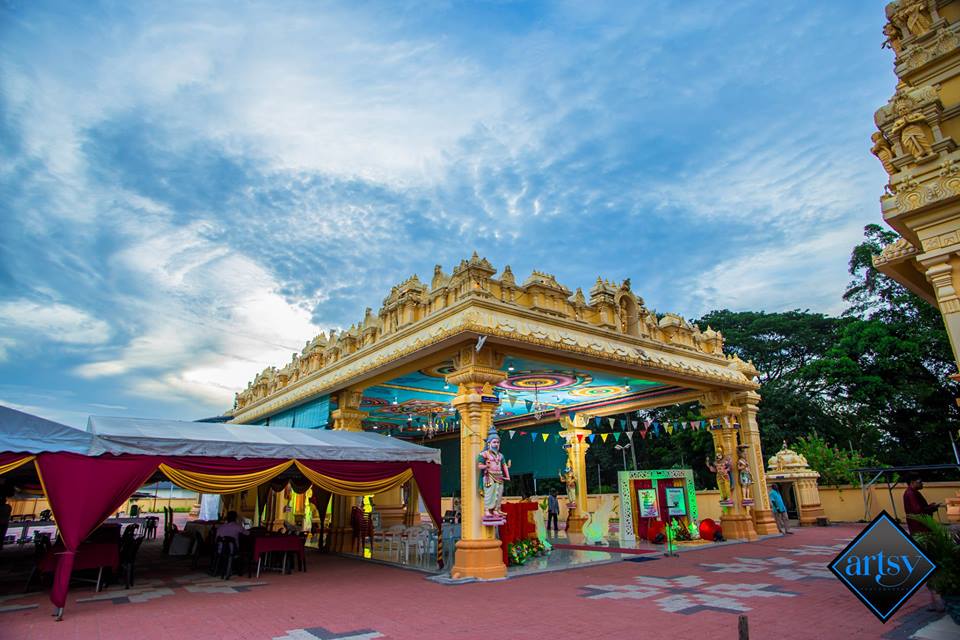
<point>779,583</point>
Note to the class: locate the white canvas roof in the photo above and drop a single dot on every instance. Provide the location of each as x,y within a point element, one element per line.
<point>174,437</point>
<point>25,433</point>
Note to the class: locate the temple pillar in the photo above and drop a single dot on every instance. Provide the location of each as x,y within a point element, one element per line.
<point>718,406</point>
<point>940,272</point>
<point>478,553</point>
<point>346,417</point>
<point>576,438</point>
<point>763,520</point>
<point>390,507</point>
<point>809,509</point>
<point>411,515</point>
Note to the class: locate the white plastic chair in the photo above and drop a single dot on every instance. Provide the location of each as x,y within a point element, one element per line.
<point>391,538</point>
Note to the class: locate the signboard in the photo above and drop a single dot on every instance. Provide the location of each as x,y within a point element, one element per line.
<point>676,505</point>
<point>647,503</point>
<point>490,399</point>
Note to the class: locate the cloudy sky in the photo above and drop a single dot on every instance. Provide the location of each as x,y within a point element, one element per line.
<point>190,191</point>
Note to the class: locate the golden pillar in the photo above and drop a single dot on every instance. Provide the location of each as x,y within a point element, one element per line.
<point>736,521</point>
<point>346,417</point>
<point>390,507</point>
<point>576,438</point>
<point>763,520</point>
<point>475,373</point>
<point>411,515</point>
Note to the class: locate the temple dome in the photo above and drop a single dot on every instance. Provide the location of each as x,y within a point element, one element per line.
<point>787,459</point>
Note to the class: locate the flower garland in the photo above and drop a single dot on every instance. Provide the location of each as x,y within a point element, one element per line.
<point>522,550</point>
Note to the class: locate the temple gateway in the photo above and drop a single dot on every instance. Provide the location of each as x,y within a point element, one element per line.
<point>472,353</point>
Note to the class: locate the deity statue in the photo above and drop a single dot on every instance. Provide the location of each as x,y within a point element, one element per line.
<point>744,475</point>
<point>495,471</point>
<point>881,149</point>
<point>913,137</point>
<point>893,38</point>
<point>723,467</point>
<point>915,15</point>
<point>570,480</point>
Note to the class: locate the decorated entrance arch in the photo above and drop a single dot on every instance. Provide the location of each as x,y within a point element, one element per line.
<point>470,351</point>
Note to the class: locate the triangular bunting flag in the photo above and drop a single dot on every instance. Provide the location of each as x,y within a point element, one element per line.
<point>529,404</point>
<point>591,437</point>
<point>669,428</point>
<point>556,413</point>
<point>533,436</point>
<point>643,434</point>
<point>616,436</point>
<point>546,436</point>
<point>610,422</point>
<point>726,421</point>
<point>580,437</point>
<point>512,433</point>
<point>604,436</point>
<point>523,433</point>
<point>512,399</point>
<point>646,423</point>
<point>630,436</point>
<point>596,420</point>
<point>693,424</point>
<point>634,423</point>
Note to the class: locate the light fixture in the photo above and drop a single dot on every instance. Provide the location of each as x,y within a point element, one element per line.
<point>446,385</point>
<point>395,401</point>
<point>510,367</point>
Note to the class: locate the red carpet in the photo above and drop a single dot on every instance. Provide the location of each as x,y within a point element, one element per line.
<point>597,547</point>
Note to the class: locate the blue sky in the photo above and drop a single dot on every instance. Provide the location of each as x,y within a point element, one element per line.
<point>190,191</point>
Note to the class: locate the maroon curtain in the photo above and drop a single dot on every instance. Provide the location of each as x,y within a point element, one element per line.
<point>83,491</point>
<point>426,475</point>
<point>7,458</point>
<point>221,466</point>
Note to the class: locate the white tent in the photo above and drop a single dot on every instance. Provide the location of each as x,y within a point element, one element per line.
<point>24,433</point>
<point>178,438</point>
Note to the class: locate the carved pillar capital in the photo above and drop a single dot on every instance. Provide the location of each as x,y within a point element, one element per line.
<point>347,416</point>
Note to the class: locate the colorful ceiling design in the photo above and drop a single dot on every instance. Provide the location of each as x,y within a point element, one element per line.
<point>415,398</point>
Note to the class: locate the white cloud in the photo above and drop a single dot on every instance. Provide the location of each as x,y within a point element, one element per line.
<point>50,321</point>
<point>811,273</point>
<point>206,319</point>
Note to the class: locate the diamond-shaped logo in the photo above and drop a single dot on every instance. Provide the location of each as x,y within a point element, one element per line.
<point>883,567</point>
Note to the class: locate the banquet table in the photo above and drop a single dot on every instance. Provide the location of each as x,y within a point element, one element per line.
<point>27,527</point>
<point>518,525</point>
<point>90,555</point>
<point>284,544</point>
<point>203,527</point>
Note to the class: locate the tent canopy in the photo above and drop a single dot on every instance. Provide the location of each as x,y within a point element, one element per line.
<point>24,433</point>
<point>180,438</point>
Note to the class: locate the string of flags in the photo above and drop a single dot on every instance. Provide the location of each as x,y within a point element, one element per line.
<point>624,428</point>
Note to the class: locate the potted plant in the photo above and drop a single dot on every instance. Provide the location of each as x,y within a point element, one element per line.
<point>943,549</point>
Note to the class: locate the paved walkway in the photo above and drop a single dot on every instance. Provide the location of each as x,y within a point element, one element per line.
<point>782,584</point>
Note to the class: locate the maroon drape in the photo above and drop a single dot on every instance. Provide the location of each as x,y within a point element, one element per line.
<point>425,474</point>
<point>83,491</point>
<point>427,477</point>
<point>221,466</point>
<point>7,458</point>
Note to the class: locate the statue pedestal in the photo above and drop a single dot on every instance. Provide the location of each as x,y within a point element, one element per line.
<point>764,523</point>
<point>575,524</point>
<point>482,559</point>
<point>738,526</point>
<point>953,508</point>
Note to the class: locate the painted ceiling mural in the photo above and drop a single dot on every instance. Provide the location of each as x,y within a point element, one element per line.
<point>416,398</point>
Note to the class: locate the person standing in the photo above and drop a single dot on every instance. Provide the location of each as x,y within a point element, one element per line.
<point>779,510</point>
<point>914,504</point>
<point>553,512</point>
